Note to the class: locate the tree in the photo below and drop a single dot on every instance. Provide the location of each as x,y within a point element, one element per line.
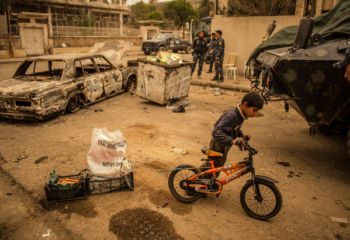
<point>4,4</point>
<point>180,12</point>
<point>141,9</point>
<point>154,15</point>
<point>261,7</point>
<point>204,8</point>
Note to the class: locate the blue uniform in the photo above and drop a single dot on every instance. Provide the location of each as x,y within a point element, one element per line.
<point>219,58</point>
<point>200,48</point>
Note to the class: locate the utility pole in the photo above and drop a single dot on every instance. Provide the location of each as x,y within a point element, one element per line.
<point>9,31</point>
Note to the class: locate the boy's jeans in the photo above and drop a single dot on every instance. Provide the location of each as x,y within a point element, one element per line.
<point>218,161</point>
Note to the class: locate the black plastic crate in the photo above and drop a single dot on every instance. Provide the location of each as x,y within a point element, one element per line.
<point>101,184</point>
<point>77,191</point>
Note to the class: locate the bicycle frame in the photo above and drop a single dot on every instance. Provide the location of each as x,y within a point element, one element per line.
<point>232,171</point>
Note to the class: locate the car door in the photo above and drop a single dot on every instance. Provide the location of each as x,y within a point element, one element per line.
<point>86,72</point>
<point>112,78</point>
<point>177,42</point>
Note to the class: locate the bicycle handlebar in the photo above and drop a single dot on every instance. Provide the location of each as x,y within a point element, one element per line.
<point>247,147</point>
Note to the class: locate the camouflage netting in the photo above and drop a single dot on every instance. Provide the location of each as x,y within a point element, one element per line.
<point>332,24</point>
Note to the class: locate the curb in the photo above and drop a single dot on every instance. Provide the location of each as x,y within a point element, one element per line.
<point>15,60</point>
<point>238,87</point>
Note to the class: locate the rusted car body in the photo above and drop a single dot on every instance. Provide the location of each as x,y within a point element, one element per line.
<point>45,86</point>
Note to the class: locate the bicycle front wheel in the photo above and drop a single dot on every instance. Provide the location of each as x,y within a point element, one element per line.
<point>266,207</point>
<point>179,174</point>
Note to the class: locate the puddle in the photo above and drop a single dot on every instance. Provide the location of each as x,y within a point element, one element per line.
<point>140,223</point>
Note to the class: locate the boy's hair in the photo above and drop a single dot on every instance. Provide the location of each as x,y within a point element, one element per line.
<point>219,32</point>
<point>253,99</point>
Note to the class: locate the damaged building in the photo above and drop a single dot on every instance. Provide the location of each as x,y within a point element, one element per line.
<point>38,26</point>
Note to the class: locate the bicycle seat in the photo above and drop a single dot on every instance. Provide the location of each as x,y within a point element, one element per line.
<point>211,153</point>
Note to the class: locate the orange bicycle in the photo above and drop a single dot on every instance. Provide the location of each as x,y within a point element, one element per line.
<point>259,197</point>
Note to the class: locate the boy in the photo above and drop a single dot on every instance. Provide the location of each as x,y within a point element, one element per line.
<point>227,129</point>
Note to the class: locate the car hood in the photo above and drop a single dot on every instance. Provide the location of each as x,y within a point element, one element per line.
<point>25,89</point>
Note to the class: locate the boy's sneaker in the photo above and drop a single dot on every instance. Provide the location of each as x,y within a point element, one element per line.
<point>221,80</point>
<point>214,79</point>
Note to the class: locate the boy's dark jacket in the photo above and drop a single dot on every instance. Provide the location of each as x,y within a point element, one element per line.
<point>228,127</point>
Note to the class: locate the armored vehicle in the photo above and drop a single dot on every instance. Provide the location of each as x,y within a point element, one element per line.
<point>304,66</point>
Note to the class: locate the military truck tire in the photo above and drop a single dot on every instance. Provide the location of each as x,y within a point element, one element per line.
<point>162,49</point>
<point>188,49</point>
<point>147,53</point>
<point>348,141</point>
<point>73,104</point>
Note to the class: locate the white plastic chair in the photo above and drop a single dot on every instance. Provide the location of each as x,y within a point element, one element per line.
<point>234,70</point>
<point>231,65</point>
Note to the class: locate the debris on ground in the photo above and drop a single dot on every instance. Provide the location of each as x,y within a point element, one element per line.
<point>178,150</point>
<point>114,50</point>
<point>47,234</point>
<point>217,91</point>
<point>338,236</point>
<point>340,202</point>
<point>179,109</point>
<point>339,220</point>
<point>21,156</point>
<point>181,106</point>
<point>165,204</point>
<point>98,110</point>
<point>39,160</point>
<point>284,164</point>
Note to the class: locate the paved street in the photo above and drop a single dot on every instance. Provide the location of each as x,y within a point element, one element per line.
<point>314,187</point>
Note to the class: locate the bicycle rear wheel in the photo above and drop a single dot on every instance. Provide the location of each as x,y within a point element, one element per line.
<point>270,203</point>
<point>180,173</point>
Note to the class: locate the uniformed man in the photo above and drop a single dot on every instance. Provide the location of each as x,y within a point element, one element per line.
<point>211,52</point>
<point>199,50</point>
<point>219,57</point>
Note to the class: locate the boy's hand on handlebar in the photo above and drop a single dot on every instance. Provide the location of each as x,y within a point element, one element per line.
<point>238,142</point>
<point>247,137</point>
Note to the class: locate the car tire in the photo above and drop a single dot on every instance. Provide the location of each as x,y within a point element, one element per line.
<point>131,84</point>
<point>188,49</point>
<point>161,49</point>
<point>147,53</point>
<point>73,104</point>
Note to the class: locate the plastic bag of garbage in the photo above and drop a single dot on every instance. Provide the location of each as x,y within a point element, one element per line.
<point>106,156</point>
<point>168,58</point>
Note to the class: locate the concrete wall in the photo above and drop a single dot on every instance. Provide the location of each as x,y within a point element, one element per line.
<point>243,34</point>
<point>90,41</point>
<point>16,43</point>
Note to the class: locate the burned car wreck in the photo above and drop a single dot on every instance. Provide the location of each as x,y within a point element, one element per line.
<point>45,86</point>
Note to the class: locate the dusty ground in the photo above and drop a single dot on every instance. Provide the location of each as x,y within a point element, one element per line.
<point>317,189</point>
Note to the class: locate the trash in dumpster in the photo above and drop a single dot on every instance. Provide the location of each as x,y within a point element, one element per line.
<point>110,170</point>
<point>166,58</point>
